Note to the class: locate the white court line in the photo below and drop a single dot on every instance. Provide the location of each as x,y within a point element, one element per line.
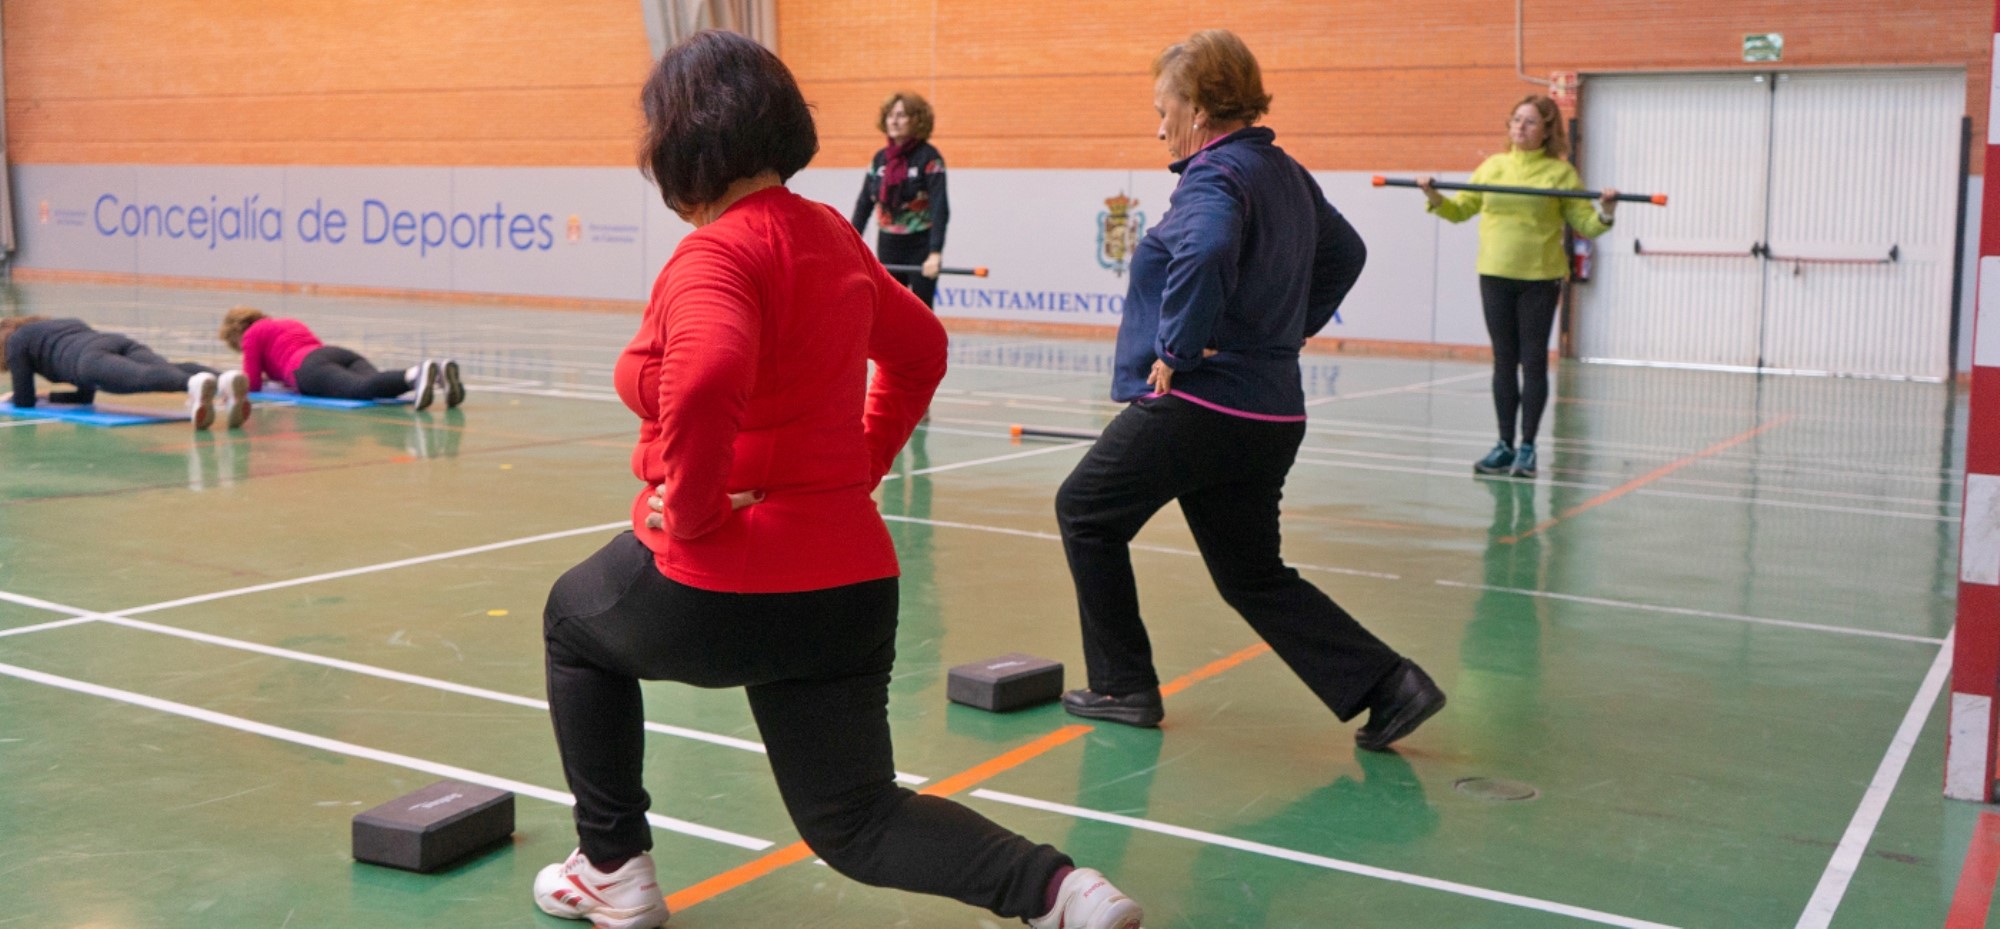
<point>1030,453</point>
<point>1797,505</point>
<point>58,624</point>
<point>81,616</point>
<point>1766,486</point>
<point>1704,614</point>
<point>556,393</point>
<point>1714,498</point>
<point>1321,861</point>
<point>1135,546</point>
<point>1339,398</point>
<point>361,751</point>
<point>368,569</point>
<point>1861,829</point>
<point>11,423</point>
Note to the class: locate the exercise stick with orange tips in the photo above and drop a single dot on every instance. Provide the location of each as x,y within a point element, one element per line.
<point>918,269</point>
<point>1658,199</point>
<point>1019,432</point>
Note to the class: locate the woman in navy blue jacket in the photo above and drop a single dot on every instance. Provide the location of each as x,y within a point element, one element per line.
<point>1248,262</point>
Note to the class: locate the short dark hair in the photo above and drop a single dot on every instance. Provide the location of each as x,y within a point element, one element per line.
<point>915,107</point>
<point>719,108</point>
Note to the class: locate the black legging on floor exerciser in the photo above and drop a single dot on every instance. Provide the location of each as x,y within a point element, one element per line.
<point>1519,317</point>
<point>118,365</point>
<point>332,371</point>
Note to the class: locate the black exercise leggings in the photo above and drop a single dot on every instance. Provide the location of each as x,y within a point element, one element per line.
<point>908,249</point>
<point>1519,317</point>
<point>816,668</point>
<point>332,371</point>
<point>127,367</point>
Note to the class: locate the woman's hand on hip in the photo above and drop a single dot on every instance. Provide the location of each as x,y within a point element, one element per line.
<point>1162,377</point>
<point>657,502</point>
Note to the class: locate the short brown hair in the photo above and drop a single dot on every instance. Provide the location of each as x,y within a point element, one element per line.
<point>7,326</point>
<point>720,108</point>
<point>236,322</point>
<point>1555,140</point>
<point>1215,71</point>
<point>922,119</point>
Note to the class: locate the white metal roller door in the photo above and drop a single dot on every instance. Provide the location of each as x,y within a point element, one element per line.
<point>1863,163</point>
<point>1788,192</point>
<point>1693,292</point>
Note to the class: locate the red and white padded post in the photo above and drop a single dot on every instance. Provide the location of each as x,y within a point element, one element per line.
<point>1969,754</point>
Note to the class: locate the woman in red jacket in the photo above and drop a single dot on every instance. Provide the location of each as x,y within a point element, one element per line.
<point>757,558</point>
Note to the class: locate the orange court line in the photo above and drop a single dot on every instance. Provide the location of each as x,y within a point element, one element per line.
<point>1211,669</point>
<point>1974,895</point>
<point>797,851</point>
<point>1647,478</point>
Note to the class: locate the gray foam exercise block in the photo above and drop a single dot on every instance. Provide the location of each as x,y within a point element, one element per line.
<point>434,827</point>
<point>1008,682</point>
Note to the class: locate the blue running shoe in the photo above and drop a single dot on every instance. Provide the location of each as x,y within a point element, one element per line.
<point>1524,460</point>
<point>1496,461</point>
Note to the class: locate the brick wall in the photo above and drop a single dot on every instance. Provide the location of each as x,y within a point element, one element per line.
<point>336,82</point>
<point>1360,84</point>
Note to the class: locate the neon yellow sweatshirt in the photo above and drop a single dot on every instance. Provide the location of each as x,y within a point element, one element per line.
<point>1520,236</point>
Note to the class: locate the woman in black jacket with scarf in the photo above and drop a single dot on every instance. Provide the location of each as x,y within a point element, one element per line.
<point>905,190</point>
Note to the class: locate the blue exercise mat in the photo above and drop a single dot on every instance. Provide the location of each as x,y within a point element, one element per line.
<point>324,403</point>
<point>90,415</point>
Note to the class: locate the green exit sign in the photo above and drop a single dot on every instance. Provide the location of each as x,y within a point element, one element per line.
<point>1763,46</point>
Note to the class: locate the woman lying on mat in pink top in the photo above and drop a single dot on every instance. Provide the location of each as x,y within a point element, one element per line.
<point>290,353</point>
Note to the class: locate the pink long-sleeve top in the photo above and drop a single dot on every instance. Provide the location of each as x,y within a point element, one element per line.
<point>276,347</point>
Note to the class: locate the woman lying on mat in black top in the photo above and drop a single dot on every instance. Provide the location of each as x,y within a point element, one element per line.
<point>66,351</point>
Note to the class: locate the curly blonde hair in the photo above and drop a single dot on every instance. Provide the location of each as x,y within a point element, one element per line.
<point>236,322</point>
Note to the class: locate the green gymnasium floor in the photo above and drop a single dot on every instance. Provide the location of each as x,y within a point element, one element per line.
<point>1701,654</point>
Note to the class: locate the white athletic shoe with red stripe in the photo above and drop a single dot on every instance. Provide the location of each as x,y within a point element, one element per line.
<point>628,898</point>
<point>1087,901</point>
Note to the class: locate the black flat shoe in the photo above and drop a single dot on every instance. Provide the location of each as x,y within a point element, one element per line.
<point>1409,698</point>
<point>1134,709</point>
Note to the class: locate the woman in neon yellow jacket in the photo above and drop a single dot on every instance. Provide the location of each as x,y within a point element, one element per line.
<point>1522,266</point>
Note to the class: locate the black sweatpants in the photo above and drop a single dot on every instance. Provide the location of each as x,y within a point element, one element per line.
<point>816,668</point>
<point>908,249</point>
<point>332,371</point>
<point>1228,473</point>
<point>1519,317</point>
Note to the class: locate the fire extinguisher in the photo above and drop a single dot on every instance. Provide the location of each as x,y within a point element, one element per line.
<point>1579,259</point>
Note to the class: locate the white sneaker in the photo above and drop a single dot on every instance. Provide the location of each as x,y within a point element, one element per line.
<point>233,395</point>
<point>628,898</point>
<point>1087,901</point>
<point>201,401</point>
<point>426,385</point>
<point>454,389</point>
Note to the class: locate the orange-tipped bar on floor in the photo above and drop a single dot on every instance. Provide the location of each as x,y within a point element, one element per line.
<point>1018,432</point>
<point>918,269</point>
